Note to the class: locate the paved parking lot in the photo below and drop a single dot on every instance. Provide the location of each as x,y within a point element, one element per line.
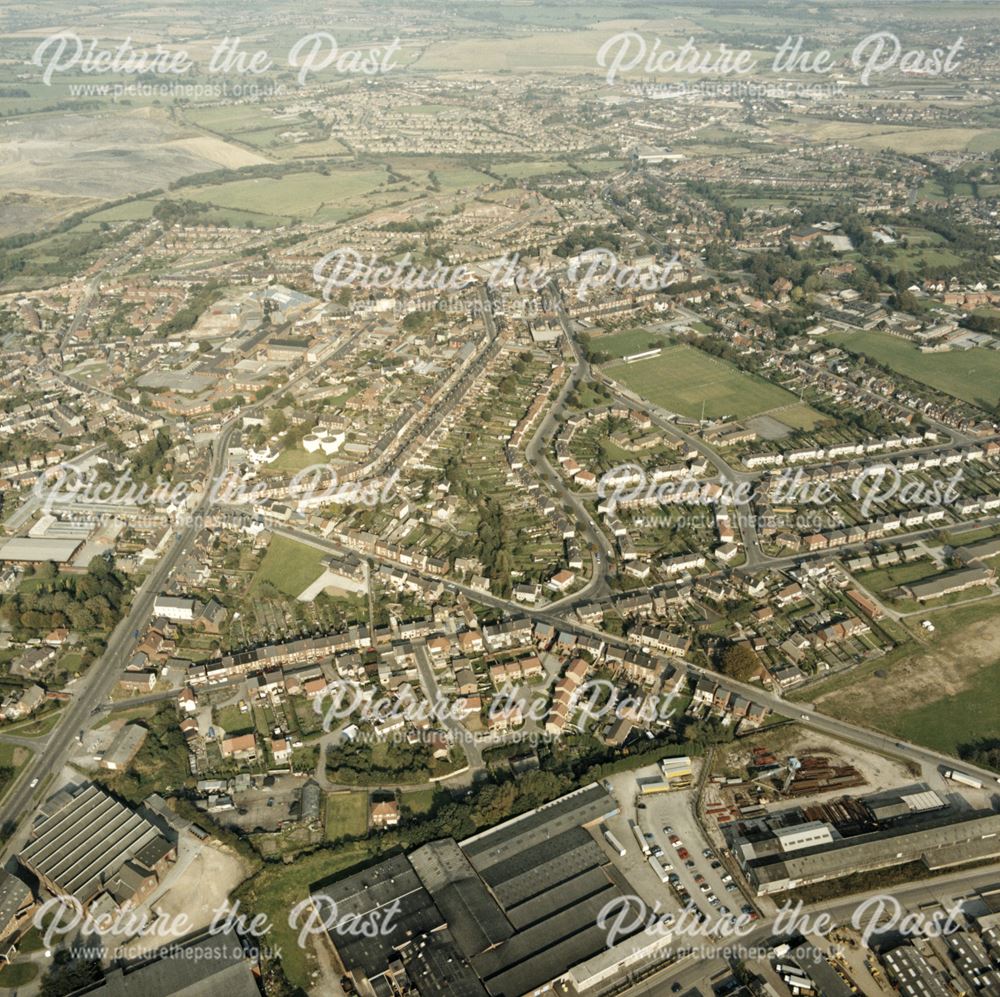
<point>653,814</point>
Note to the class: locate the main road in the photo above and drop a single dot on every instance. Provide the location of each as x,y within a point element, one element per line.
<point>101,678</point>
<point>803,713</point>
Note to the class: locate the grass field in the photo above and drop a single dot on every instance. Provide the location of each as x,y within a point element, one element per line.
<point>529,168</point>
<point>901,138</point>
<point>299,194</point>
<point>419,800</point>
<point>346,815</point>
<point>884,579</point>
<point>972,375</point>
<point>940,691</point>
<point>452,178</point>
<point>620,344</point>
<point>20,974</point>
<point>294,459</point>
<point>682,378</point>
<point>232,721</point>
<point>289,566</point>
<point>799,416</point>
<point>279,886</point>
<point>956,719</point>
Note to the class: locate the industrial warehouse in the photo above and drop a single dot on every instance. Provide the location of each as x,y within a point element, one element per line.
<point>97,849</point>
<point>789,850</point>
<point>502,913</point>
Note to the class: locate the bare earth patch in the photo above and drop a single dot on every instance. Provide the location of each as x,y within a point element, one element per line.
<point>945,668</point>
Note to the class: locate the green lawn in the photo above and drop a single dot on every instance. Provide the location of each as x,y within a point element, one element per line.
<point>419,800</point>
<point>883,579</point>
<point>295,458</point>
<point>682,379</point>
<point>346,815</point>
<point>232,721</point>
<point>972,375</point>
<point>289,566</point>
<point>72,662</point>
<point>35,726</point>
<point>18,974</point>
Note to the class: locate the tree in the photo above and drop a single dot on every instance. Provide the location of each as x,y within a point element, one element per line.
<point>740,662</point>
<point>69,974</point>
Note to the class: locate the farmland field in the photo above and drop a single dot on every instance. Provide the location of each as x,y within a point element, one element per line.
<point>682,377</point>
<point>529,168</point>
<point>301,194</point>
<point>972,375</point>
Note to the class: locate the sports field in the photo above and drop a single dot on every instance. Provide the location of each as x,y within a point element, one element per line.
<point>682,378</point>
<point>621,344</point>
<point>972,375</point>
